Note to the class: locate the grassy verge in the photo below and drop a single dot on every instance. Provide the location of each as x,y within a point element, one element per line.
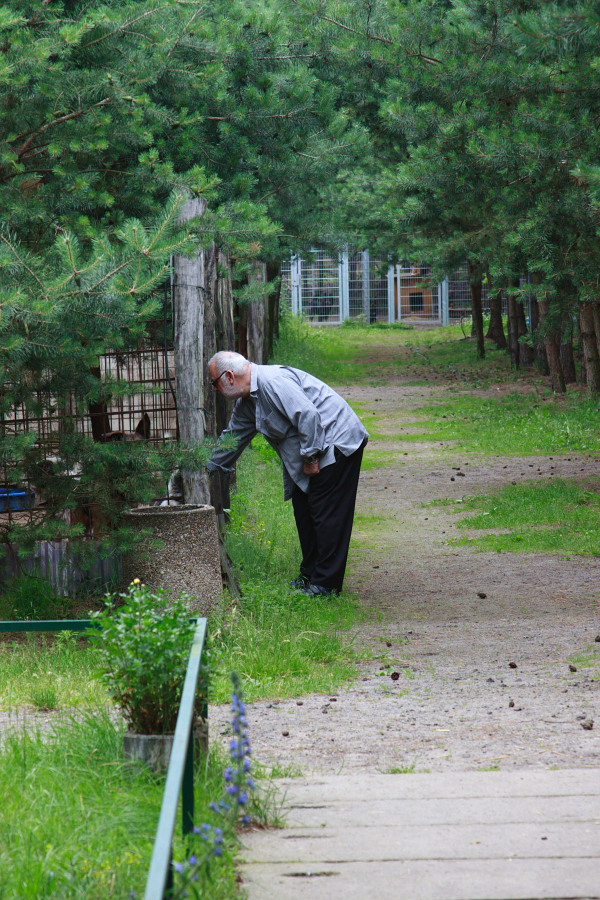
<point>557,516</point>
<point>373,353</point>
<point>49,673</point>
<point>282,644</point>
<point>77,822</point>
<point>513,425</point>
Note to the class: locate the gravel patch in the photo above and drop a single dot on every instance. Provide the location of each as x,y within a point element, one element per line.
<point>478,660</point>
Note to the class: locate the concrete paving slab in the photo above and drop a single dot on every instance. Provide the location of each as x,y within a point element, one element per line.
<point>521,783</point>
<point>494,841</point>
<point>506,836</point>
<point>425,880</point>
<point>356,813</point>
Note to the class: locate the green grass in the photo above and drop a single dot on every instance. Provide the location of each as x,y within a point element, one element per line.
<point>512,425</point>
<point>587,659</point>
<point>79,823</point>
<point>282,644</point>
<point>376,459</point>
<point>357,352</point>
<point>557,516</point>
<point>28,597</point>
<point>49,673</point>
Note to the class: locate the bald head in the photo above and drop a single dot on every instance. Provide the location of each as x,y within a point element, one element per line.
<point>230,374</point>
<point>228,360</point>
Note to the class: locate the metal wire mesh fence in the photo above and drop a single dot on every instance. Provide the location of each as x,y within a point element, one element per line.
<point>367,288</point>
<point>327,290</point>
<point>320,288</point>
<point>459,295</point>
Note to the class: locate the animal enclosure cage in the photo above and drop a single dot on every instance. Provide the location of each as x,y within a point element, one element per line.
<point>327,289</point>
<point>146,409</point>
<point>417,297</point>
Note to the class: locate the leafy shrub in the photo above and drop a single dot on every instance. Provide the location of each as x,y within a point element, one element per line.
<point>144,646</point>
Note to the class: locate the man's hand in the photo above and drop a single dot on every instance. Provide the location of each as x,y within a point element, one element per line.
<point>312,468</point>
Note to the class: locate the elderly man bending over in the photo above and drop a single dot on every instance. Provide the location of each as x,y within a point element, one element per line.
<point>320,441</point>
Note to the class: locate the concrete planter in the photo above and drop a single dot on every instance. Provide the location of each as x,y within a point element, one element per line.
<point>155,749</point>
<point>152,749</point>
<point>187,559</point>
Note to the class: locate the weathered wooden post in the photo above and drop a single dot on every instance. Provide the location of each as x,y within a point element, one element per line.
<point>257,323</point>
<point>188,303</point>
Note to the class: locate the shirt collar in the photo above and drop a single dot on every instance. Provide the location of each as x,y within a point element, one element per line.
<point>253,380</point>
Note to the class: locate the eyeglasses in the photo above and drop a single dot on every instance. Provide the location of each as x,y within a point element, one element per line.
<point>215,381</point>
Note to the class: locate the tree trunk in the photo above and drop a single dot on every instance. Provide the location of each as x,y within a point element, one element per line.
<point>567,357</point>
<point>539,351</point>
<point>225,331</point>
<point>496,329</point>
<point>257,331</point>
<point>242,329</point>
<point>582,371</point>
<point>475,285</point>
<point>525,351</point>
<point>210,338</point>
<point>274,272</point>
<point>188,306</point>
<point>98,411</point>
<point>521,354</point>
<point>513,332</point>
<point>596,313</point>
<point>552,346</point>
<point>591,357</point>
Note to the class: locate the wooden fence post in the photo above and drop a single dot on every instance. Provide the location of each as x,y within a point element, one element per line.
<point>188,304</point>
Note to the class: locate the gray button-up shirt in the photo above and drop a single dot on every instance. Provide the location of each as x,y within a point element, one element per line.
<point>299,416</point>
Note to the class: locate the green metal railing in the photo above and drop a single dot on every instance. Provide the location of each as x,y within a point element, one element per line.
<point>180,778</point>
<point>48,625</point>
<point>180,774</point>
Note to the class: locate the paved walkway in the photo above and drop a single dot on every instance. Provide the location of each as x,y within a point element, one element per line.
<point>522,835</point>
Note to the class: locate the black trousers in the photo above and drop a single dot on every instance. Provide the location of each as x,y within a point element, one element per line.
<point>324,518</point>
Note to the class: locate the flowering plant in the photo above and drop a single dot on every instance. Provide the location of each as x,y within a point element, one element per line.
<point>192,875</point>
<point>144,645</point>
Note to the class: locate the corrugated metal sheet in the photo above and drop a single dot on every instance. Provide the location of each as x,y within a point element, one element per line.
<point>68,570</point>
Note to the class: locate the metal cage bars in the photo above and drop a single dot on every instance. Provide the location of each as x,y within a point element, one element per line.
<point>328,289</point>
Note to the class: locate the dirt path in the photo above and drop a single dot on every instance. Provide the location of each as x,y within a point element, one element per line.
<point>471,651</point>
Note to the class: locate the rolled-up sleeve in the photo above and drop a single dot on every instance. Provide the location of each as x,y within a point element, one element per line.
<point>242,426</point>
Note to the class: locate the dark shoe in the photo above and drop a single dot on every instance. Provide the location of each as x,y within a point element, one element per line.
<point>316,590</point>
<point>300,582</point>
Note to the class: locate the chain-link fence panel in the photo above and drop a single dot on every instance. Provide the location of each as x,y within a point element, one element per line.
<point>320,291</point>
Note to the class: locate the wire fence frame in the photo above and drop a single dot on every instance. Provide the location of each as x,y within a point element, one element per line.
<point>328,289</point>
<point>147,411</point>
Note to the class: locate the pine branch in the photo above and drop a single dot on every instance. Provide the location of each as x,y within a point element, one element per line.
<point>126,25</point>
<point>74,115</point>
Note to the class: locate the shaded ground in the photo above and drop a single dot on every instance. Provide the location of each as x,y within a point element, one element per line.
<point>457,680</point>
